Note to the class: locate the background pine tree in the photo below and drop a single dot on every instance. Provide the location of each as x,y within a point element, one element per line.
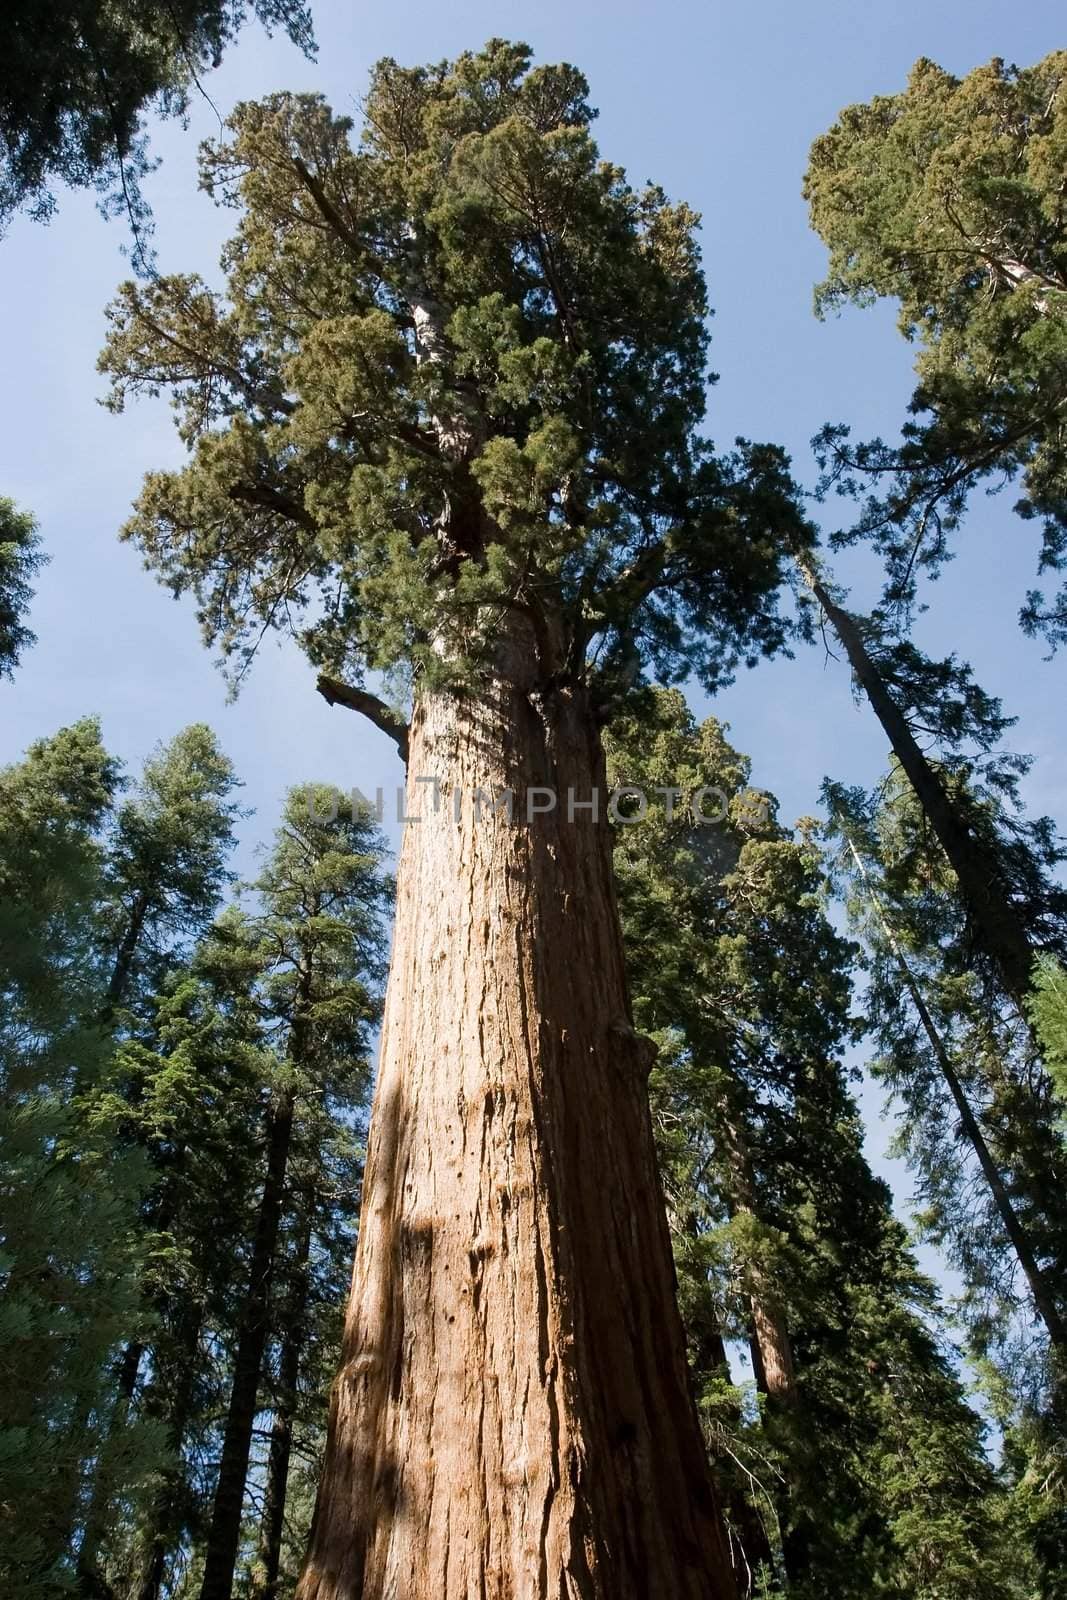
<point>863,1463</point>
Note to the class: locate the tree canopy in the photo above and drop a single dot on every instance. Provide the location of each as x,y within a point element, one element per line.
<point>77,79</point>
<point>948,197</point>
<point>458,374</point>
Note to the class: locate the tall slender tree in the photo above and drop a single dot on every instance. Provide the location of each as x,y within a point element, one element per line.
<point>913,697</point>
<point>978,1123</point>
<point>963,1067</point>
<point>447,418</point>
<point>164,870</point>
<point>191,1091</point>
<point>319,940</point>
<point>1043,1296</point>
<point>248,1066</point>
<point>68,1196</point>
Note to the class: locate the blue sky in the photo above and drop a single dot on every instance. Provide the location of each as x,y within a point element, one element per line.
<point>717,103</point>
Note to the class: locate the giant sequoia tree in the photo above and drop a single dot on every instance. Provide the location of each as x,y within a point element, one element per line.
<point>446,418</point>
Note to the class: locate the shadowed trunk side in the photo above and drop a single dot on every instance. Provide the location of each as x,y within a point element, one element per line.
<point>512,1416</point>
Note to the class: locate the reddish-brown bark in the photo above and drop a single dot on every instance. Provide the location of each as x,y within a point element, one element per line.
<point>512,1418</point>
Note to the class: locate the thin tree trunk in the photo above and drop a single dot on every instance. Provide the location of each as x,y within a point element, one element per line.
<point>771,1346</point>
<point>164,1525</point>
<point>512,1419</point>
<point>999,929</point>
<point>91,1582</point>
<point>224,1533</point>
<point>293,1338</point>
<point>1043,1298</point>
<point>120,972</point>
<point>750,1549</point>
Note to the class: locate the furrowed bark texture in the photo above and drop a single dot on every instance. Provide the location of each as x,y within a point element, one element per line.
<point>512,1419</point>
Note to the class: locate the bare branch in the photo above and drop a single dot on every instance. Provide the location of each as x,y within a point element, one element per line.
<point>336,693</point>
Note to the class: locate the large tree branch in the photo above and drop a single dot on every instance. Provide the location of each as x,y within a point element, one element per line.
<point>635,582</point>
<point>207,364</point>
<point>336,693</point>
<point>333,218</point>
<point>268,499</point>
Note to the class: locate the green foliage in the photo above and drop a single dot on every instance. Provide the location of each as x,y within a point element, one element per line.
<point>54,804</point>
<point>456,378</point>
<point>1035,1458</point>
<point>167,859</point>
<point>1048,1012</point>
<point>901,868</point>
<point>277,1002</point>
<point>77,78</point>
<point>69,1258</point>
<point>96,889</point>
<point>20,558</point>
<point>949,198</point>
<point>904,900</point>
<point>873,1480</point>
<point>453,393</point>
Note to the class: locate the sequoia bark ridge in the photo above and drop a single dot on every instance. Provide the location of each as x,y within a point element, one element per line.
<point>512,1419</point>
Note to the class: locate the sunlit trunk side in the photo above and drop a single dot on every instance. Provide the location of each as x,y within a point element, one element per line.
<point>512,1416</point>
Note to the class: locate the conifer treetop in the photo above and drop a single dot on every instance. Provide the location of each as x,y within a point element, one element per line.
<point>455,380</point>
<point>949,198</point>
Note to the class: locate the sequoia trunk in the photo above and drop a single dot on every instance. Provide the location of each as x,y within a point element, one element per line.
<point>512,1419</point>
